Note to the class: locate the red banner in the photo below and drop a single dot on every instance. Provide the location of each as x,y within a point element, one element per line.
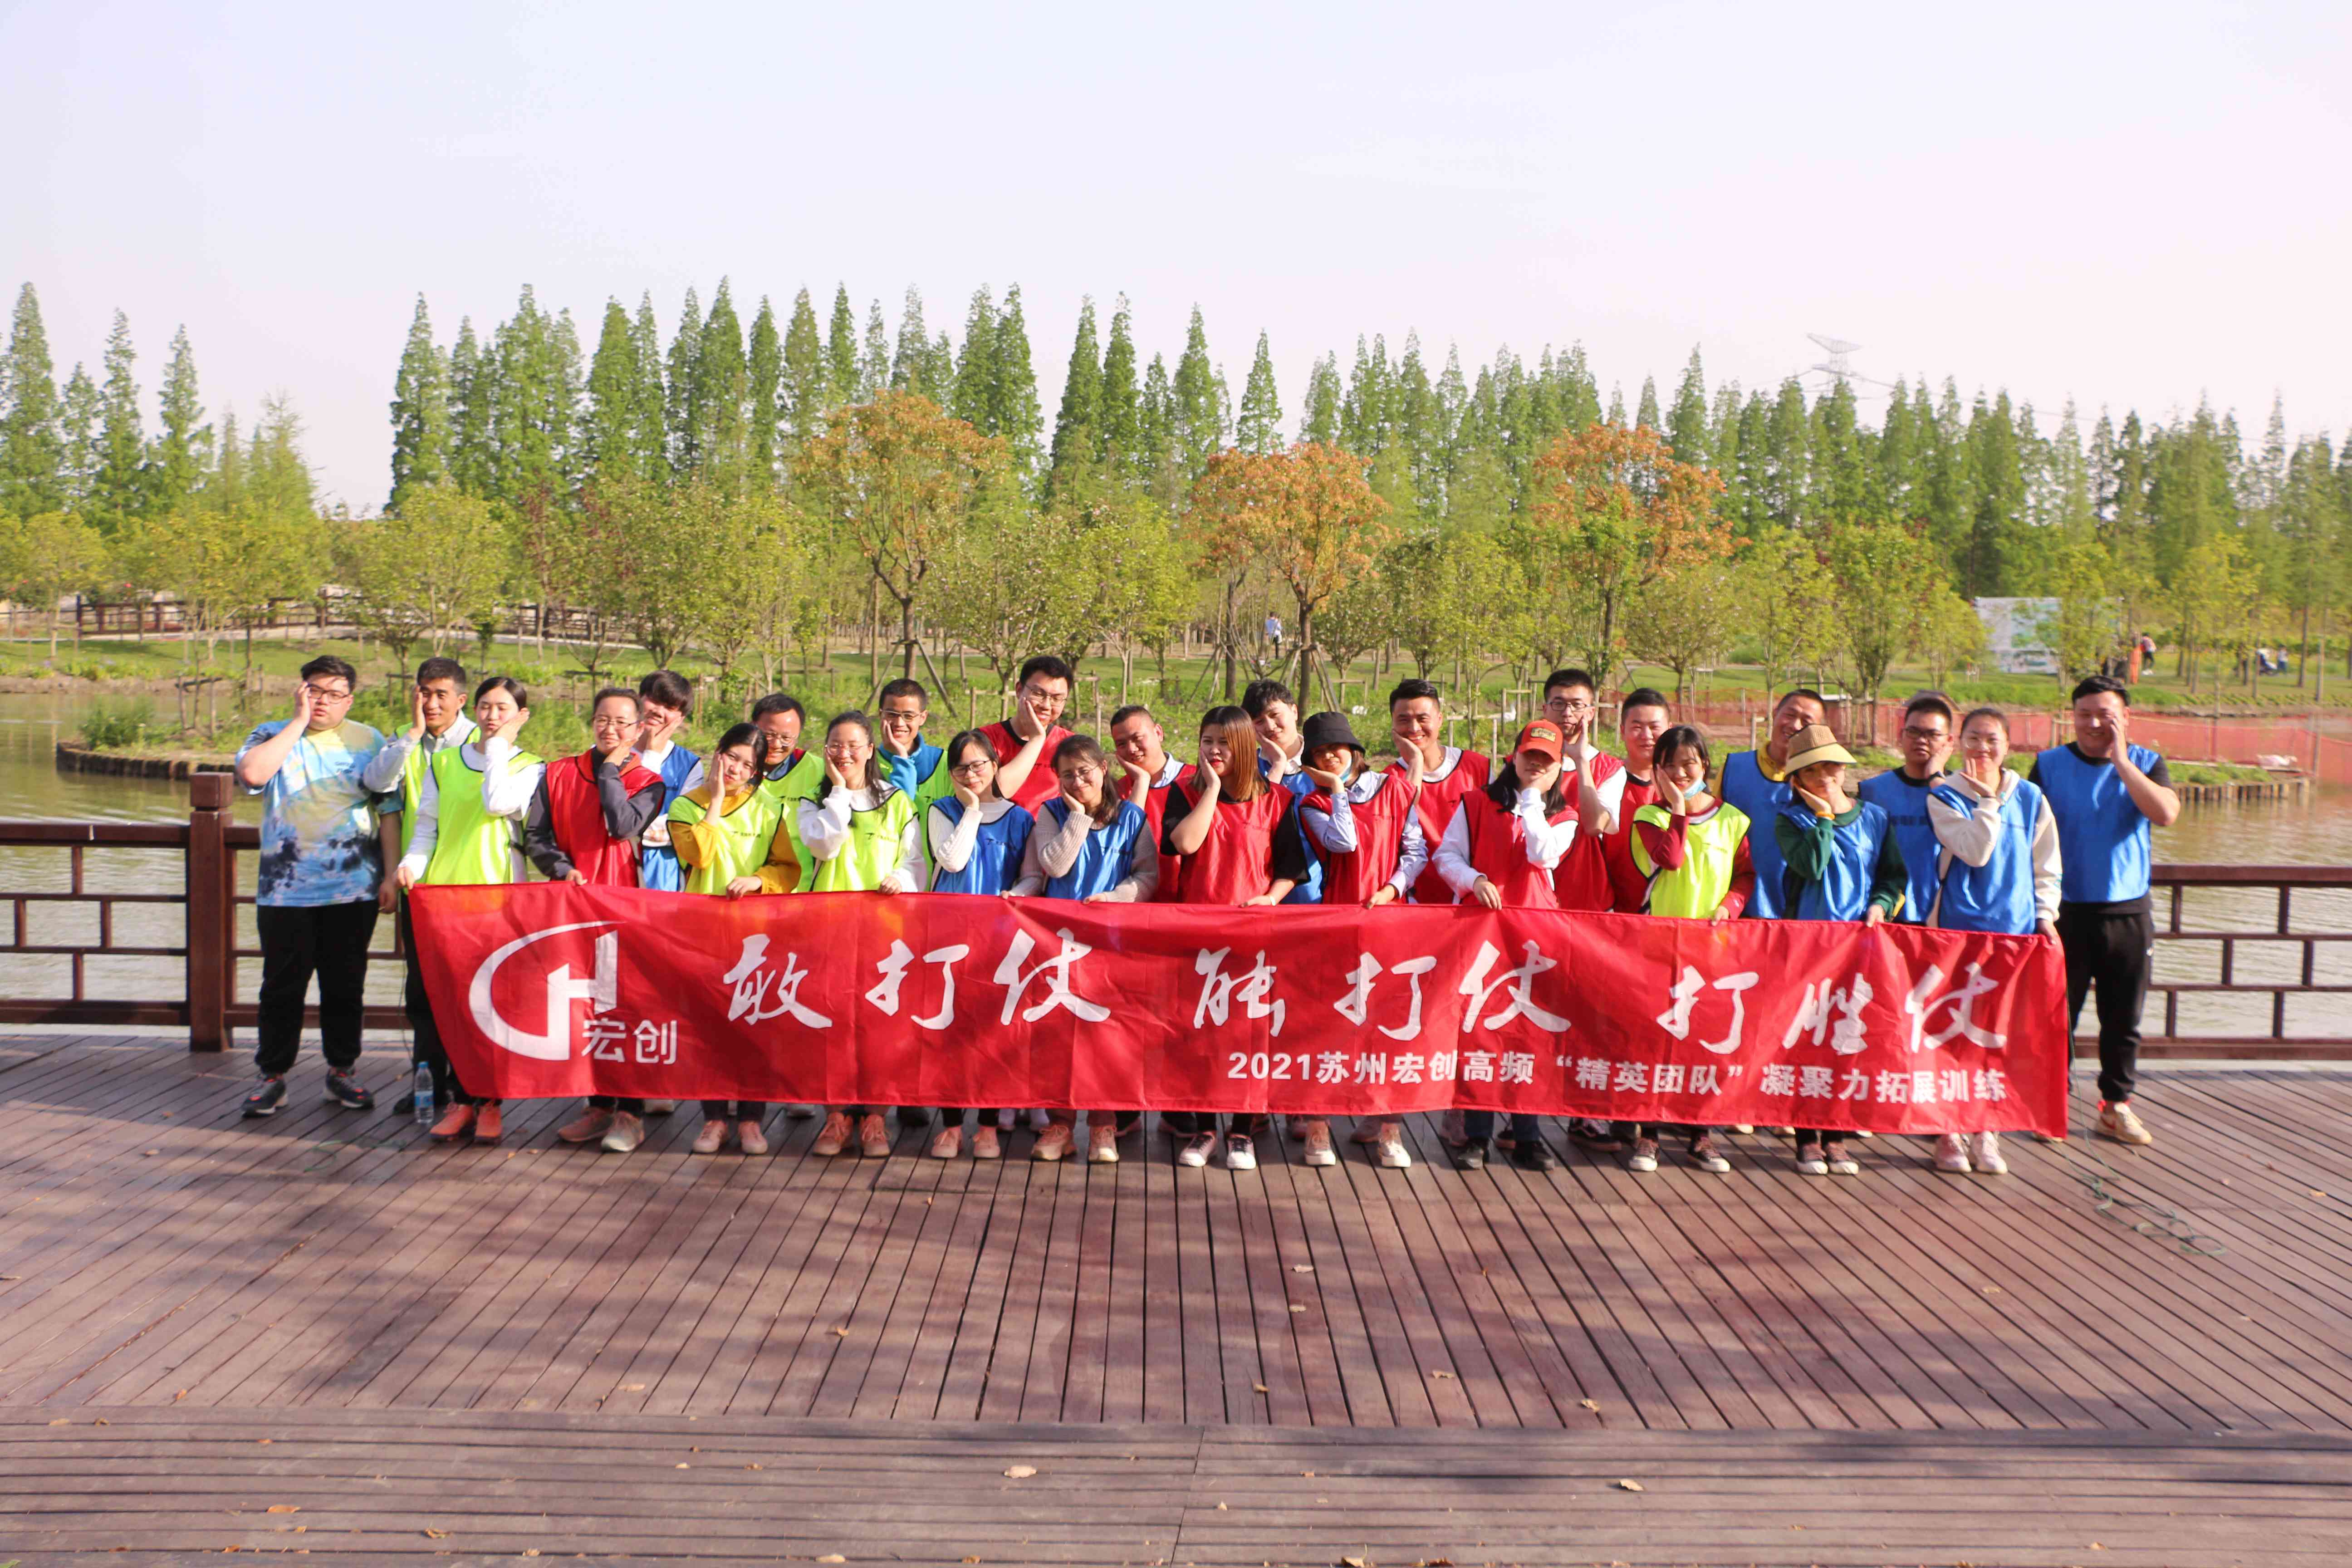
<point>941,999</point>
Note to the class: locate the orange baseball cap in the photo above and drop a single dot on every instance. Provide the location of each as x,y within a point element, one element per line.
<point>1541,736</point>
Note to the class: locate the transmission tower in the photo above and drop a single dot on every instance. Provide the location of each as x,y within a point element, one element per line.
<point>1838,370</point>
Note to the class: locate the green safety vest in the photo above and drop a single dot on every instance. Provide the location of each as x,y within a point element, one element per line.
<point>1709,851</point>
<point>783,796</point>
<point>872,853</point>
<point>744,835</point>
<point>469,845</point>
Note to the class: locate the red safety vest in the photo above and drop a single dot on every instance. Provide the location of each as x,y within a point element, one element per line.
<point>1439,798</point>
<point>1041,785</point>
<point>576,816</point>
<point>1581,881</point>
<point>1155,815</point>
<point>1234,863</point>
<point>1355,877</point>
<point>1498,852</point>
<point>1629,889</point>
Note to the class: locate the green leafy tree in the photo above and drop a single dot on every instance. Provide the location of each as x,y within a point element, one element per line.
<point>1882,595</point>
<point>649,421</point>
<point>1687,422</point>
<point>1785,606</point>
<point>1119,413</point>
<point>721,398</point>
<point>764,362</point>
<point>1078,427</point>
<point>807,379</point>
<point>681,418</point>
<point>971,396</point>
<point>78,424</point>
<point>840,353</point>
<point>1681,619</point>
<point>429,576</point>
<point>1318,421</point>
<point>1015,416</point>
<point>612,446</point>
<point>420,412</point>
<point>46,557</point>
<point>1198,411</point>
<point>32,446</point>
<point>2086,631</point>
<point>910,366</point>
<point>873,362</point>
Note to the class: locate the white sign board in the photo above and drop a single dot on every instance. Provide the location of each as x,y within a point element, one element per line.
<point>2013,633</point>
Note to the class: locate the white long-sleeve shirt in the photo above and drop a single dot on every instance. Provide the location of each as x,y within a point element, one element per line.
<point>1335,830</point>
<point>1050,854</point>
<point>824,830</point>
<point>1546,842</point>
<point>951,845</point>
<point>507,788</point>
<point>383,775</point>
<point>656,832</point>
<point>1970,836</point>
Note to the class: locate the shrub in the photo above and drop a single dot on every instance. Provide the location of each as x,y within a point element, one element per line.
<point>110,726</point>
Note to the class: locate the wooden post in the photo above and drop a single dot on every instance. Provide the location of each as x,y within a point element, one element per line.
<point>211,883</point>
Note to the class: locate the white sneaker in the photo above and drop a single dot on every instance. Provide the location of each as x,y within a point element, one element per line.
<point>1195,1151</point>
<point>1240,1154</point>
<point>1391,1154</point>
<point>1984,1152</point>
<point>1952,1153</point>
<point>1644,1157</point>
<point>2120,1122</point>
<point>1841,1163</point>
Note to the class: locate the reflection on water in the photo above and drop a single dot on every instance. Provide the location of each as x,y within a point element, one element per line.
<point>2317,831</point>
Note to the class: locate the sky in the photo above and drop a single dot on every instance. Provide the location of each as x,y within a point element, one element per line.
<point>2132,205</point>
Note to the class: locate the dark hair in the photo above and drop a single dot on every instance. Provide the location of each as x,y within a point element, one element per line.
<point>1932,702</point>
<point>1260,695</point>
<point>1796,691</point>
<point>635,702</point>
<point>507,683</point>
<point>1503,787</point>
<point>667,688</point>
<point>1583,677</point>
<point>328,664</point>
<point>1132,710</point>
<point>853,716</point>
<point>1046,665</point>
<point>745,734</point>
<point>1643,697</point>
<point>1995,714</point>
<point>1241,742</point>
<point>2089,686</point>
<point>959,741</point>
<point>905,685</point>
<point>1406,691</point>
<point>1676,738</point>
<point>440,667</point>
<point>1087,749</point>
<point>778,702</point>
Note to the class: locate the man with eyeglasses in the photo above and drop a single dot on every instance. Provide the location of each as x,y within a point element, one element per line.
<point>1928,725</point>
<point>320,880</point>
<point>1581,881</point>
<point>1749,780</point>
<point>1026,739</point>
<point>914,765</point>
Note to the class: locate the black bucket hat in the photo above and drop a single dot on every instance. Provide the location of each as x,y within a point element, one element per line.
<point>1328,729</point>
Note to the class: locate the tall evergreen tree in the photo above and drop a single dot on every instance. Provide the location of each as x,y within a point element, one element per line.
<point>1199,414</point>
<point>420,412</point>
<point>1078,427</point>
<point>1997,494</point>
<point>840,352</point>
<point>473,390</point>
<point>1259,429</point>
<point>765,362</point>
<point>1616,403</point>
<point>1687,422</point>
<point>809,372</point>
<point>1578,390</point>
<point>1840,482</point>
<point>874,364</point>
<point>649,417</point>
<point>78,430</point>
<point>1318,420</point>
<point>609,445</point>
<point>118,490</point>
<point>722,395</point>
<point>971,396</point>
<point>1155,435</point>
<point>183,447</point>
<point>910,366</point>
<point>679,419</point>
<point>531,411</point>
<point>1645,412</point>
<point>1017,417</point>
<point>1120,408</point>
<point>32,447</point>
<point>1412,409</point>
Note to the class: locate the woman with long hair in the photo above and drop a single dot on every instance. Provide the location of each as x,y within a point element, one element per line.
<point>976,838</point>
<point>1239,843</point>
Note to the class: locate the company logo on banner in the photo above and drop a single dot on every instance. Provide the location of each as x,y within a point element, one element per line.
<point>555,990</point>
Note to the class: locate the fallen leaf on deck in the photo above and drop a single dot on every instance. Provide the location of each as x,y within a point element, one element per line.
<point>844,1332</point>
<point>755,1466</point>
<point>62,1421</point>
<point>1221,1507</point>
<point>633,1388</point>
<point>833,1557</point>
<point>265,1442</point>
<point>1630,1486</point>
<point>1021,1472</point>
<point>436,1534</point>
<point>1302,1268</point>
<point>1440,1372</point>
<point>678,1467</point>
<point>1591,1404</point>
<point>1351,1563</point>
<point>285,1508</point>
<point>530,1552</point>
<point>100,1422</point>
<point>1298,1306</point>
<point>1257,1387</point>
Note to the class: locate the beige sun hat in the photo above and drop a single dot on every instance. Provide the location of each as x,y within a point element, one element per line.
<point>1814,743</point>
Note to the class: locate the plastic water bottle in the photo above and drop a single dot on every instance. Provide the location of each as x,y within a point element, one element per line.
<point>424,1095</point>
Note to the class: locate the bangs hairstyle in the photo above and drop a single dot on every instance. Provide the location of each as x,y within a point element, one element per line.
<point>748,735</point>
<point>1232,725</point>
<point>963,741</point>
<point>667,688</point>
<point>1995,714</point>
<point>1678,738</point>
<point>1503,788</point>
<point>855,718</point>
<point>623,692</point>
<point>1087,749</point>
<point>506,683</point>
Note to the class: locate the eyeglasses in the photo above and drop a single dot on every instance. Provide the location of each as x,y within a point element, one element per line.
<point>846,748</point>
<point>1913,732</point>
<point>1566,705</point>
<point>901,716</point>
<point>606,721</point>
<point>974,766</point>
<point>323,694</point>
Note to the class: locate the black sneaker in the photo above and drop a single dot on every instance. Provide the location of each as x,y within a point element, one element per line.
<point>1535,1154</point>
<point>267,1097</point>
<point>345,1089</point>
<point>1470,1157</point>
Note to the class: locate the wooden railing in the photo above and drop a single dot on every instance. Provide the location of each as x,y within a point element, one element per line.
<point>2293,955</point>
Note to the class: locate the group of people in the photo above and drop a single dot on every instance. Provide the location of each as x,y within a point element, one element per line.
<point>1275,808</point>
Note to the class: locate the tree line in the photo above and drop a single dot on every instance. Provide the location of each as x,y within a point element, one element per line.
<point>749,492</point>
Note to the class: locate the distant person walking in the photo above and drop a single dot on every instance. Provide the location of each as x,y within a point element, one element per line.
<point>2107,794</point>
<point>320,877</point>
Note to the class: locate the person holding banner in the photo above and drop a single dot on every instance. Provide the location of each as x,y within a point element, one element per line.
<point>1447,774</point>
<point>727,835</point>
<point>1901,791</point>
<point>582,828</point>
<point>862,837</point>
<point>1373,852</point>
<point>437,723</point>
<point>469,829</point>
<point>1998,870</point>
<point>1500,851</point>
<point>1239,843</point>
<point>977,840</point>
<point>1581,881</point>
<point>664,702</point>
<point>1749,779</point>
<point>1692,849</point>
<point>1840,862</point>
<point>1091,845</point>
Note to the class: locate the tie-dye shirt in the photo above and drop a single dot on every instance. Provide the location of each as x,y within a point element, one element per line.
<point>318,824</point>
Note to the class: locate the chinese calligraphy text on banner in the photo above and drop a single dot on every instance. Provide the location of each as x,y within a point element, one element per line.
<point>939,999</point>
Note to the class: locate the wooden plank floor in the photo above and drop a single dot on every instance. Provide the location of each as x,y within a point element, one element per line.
<point>157,1251</point>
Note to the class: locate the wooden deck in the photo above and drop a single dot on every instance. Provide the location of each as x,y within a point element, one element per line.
<point>516,1340</point>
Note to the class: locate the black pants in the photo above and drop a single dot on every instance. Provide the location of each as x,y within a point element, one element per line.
<point>610,1103</point>
<point>427,1034</point>
<point>330,940</point>
<point>1479,1126</point>
<point>2108,949</point>
<point>734,1110</point>
<point>1185,1123</point>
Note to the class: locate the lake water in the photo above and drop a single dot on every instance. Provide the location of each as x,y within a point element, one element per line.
<point>2317,831</point>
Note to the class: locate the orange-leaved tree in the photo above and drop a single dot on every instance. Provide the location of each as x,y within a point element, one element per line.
<point>1307,515</point>
<point>1613,510</point>
<point>898,478</point>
